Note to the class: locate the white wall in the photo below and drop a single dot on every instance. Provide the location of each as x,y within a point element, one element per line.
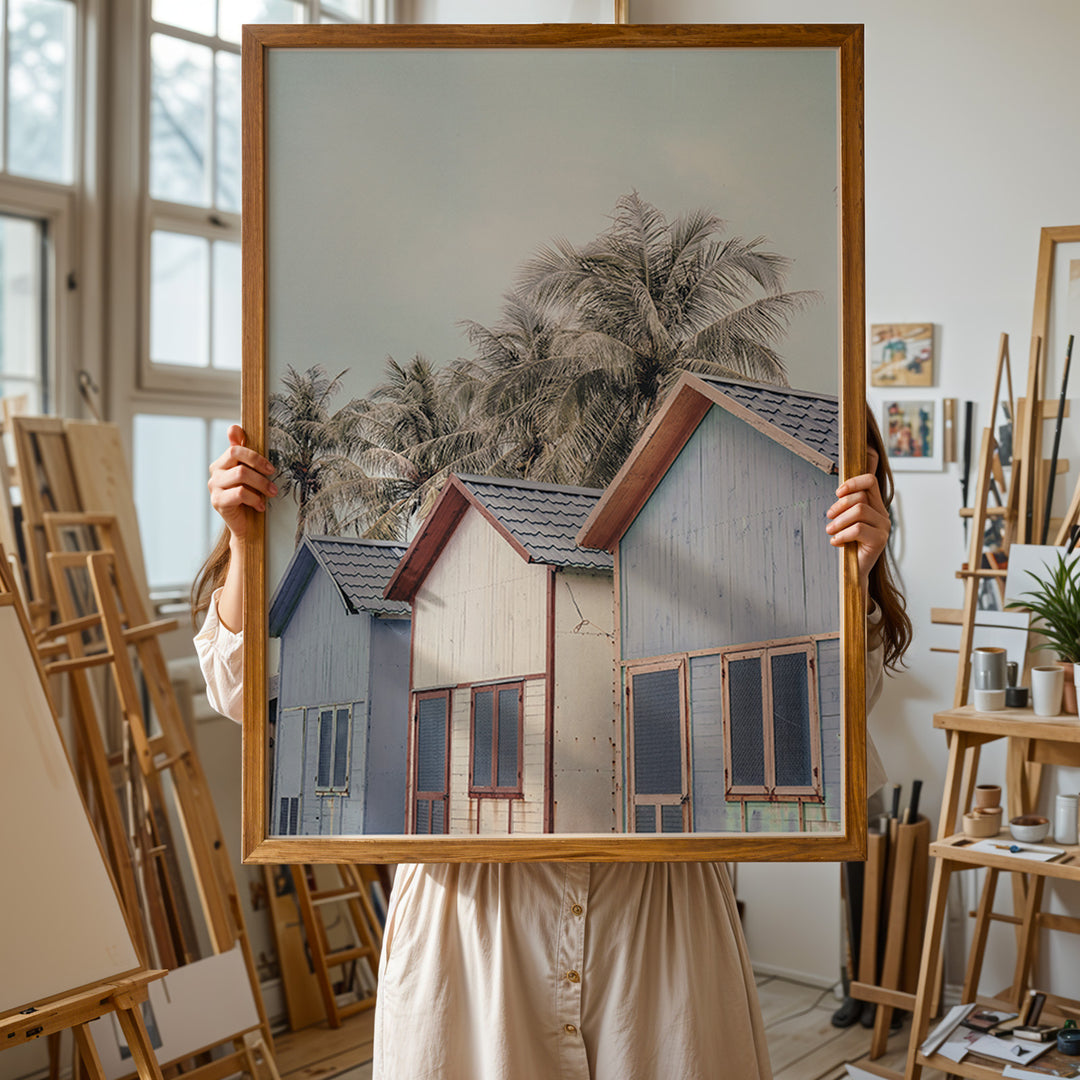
<point>971,148</point>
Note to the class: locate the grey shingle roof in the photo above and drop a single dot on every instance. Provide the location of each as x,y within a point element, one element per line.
<point>813,419</point>
<point>543,518</point>
<point>361,570</point>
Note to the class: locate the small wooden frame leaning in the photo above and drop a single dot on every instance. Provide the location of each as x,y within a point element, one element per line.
<point>461,149</point>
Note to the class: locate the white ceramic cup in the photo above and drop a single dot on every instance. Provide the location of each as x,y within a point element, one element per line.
<point>1065,819</point>
<point>1047,687</point>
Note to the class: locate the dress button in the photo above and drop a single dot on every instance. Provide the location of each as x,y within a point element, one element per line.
<point>577,909</point>
<point>573,976</point>
<point>570,1029</point>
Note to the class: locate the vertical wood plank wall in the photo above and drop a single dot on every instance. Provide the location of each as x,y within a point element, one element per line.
<point>730,548</point>
<point>587,755</point>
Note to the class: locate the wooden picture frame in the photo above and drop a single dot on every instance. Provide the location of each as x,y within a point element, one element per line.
<point>269,260</point>
<point>912,426</point>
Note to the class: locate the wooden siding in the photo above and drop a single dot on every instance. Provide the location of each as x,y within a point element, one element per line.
<point>498,816</point>
<point>730,548</point>
<point>324,650</point>
<point>388,725</point>
<point>587,766</point>
<point>480,613</point>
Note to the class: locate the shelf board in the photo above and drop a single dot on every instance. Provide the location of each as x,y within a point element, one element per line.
<point>957,848</point>
<point>1020,723</point>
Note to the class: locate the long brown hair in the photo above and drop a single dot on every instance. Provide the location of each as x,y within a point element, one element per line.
<point>211,576</point>
<point>895,629</point>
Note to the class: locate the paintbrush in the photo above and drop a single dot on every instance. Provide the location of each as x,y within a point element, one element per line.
<point>1057,441</point>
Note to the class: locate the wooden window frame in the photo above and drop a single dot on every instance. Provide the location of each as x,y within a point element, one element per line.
<point>325,790</point>
<point>493,791</point>
<point>770,791</point>
<point>415,794</point>
<point>685,798</point>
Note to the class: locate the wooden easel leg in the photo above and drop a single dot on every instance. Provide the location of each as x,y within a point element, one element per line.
<point>138,1040</point>
<point>54,1054</point>
<point>935,923</point>
<point>958,747</point>
<point>982,930</point>
<point>87,1052</point>
<point>258,1050</point>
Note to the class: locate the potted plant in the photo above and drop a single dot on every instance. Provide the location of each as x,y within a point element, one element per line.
<point>1055,604</point>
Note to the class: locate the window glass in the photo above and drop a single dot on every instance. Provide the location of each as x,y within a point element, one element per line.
<point>40,88</point>
<point>326,747</point>
<point>170,463</point>
<point>791,720</point>
<point>232,14</point>
<point>747,729</point>
<point>20,299</point>
<point>179,120</point>
<point>341,749</point>
<point>194,15</point>
<point>431,744</point>
<point>657,736</point>
<point>483,735</point>
<point>179,299</point>
<point>360,10</point>
<point>227,122</point>
<point>225,347</point>
<point>508,738</point>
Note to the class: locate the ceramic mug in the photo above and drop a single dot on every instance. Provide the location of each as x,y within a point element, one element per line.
<point>987,795</point>
<point>1047,688</point>
<point>989,667</point>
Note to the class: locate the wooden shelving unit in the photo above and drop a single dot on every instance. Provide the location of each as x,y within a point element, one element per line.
<point>1033,742</point>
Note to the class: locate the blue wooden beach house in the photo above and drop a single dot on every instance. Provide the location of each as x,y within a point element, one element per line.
<point>727,601</point>
<point>343,691</point>
<point>512,724</point>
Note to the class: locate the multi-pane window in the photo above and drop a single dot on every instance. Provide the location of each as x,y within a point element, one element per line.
<point>497,723</point>
<point>660,791</point>
<point>772,734</point>
<point>431,762</point>
<point>332,764</point>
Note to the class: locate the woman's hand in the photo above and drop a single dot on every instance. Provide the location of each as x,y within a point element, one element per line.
<point>859,516</point>
<point>239,483</point>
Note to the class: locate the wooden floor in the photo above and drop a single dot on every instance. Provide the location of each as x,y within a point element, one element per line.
<point>803,1044</point>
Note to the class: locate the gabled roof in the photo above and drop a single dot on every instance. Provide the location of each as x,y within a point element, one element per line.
<point>539,521</point>
<point>803,422</point>
<point>358,568</point>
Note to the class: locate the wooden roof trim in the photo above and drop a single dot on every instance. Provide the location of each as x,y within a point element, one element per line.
<point>658,447</point>
<point>434,534</point>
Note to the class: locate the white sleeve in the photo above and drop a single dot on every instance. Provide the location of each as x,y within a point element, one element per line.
<point>221,658</point>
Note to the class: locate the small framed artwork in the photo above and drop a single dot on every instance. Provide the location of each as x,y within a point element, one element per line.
<point>913,433</point>
<point>902,354</point>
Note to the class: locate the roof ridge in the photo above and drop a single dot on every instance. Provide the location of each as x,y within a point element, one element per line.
<point>531,485</point>
<point>787,391</point>
<point>322,538</point>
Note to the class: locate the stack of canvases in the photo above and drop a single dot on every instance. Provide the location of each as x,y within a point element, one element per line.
<point>662,656</point>
<point>71,545</point>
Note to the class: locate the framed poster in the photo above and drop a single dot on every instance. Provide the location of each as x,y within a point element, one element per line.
<point>501,285</point>
<point>912,429</point>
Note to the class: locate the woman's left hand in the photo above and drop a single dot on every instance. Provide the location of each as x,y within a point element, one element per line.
<point>859,516</point>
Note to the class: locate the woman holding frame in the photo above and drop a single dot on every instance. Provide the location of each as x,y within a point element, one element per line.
<point>597,971</point>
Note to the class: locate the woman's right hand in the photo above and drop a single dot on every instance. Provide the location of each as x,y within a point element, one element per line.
<point>239,483</point>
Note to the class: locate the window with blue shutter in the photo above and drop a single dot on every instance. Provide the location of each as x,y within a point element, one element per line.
<point>657,717</point>
<point>497,735</point>
<point>772,733</point>
<point>431,760</point>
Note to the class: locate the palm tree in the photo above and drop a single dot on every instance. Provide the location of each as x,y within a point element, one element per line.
<point>310,443</point>
<point>410,433</point>
<point>595,336</point>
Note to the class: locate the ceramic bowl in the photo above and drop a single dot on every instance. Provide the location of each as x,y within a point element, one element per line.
<point>988,795</point>
<point>1029,828</point>
<point>980,826</point>
<point>990,700</point>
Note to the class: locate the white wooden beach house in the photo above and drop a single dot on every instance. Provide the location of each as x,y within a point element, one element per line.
<point>512,723</point>
<point>727,603</point>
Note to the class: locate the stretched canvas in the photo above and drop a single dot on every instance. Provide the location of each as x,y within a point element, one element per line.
<point>554,336</point>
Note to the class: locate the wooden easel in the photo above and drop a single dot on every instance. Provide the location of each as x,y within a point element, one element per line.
<point>120,616</point>
<point>352,896</point>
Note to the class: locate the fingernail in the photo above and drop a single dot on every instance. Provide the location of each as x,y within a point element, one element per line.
<point>273,489</point>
